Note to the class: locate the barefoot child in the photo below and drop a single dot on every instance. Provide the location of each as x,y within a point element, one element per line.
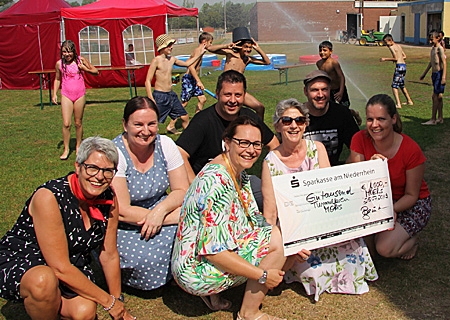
<point>163,95</point>
<point>398,57</point>
<point>238,57</point>
<point>338,92</point>
<point>191,85</point>
<point>438,66</point>
<point>69,74</point>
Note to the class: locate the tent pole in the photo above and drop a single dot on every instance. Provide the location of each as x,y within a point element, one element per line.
<point>63,31</point>
<point>167,24</point>
<point>198,28</point>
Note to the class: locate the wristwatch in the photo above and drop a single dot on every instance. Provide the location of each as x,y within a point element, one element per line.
<point>121,298</point>
<point>263,278</point>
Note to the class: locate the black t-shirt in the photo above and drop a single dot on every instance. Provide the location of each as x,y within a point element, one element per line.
<point>333,129</point>
<point>202,139</point>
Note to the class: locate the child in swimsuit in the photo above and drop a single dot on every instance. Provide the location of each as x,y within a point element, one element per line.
<point>69,75</point>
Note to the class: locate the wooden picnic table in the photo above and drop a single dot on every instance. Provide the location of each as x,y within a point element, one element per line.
<point>284,69</point>
<point>44,75</point>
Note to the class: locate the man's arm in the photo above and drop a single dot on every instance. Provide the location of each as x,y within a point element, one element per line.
<point>273,143</point>
<point>394,56</point>
<point>187,165</point>
<point>426,71</point>
<point>350,128</point>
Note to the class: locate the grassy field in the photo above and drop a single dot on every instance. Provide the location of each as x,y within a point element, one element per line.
<point>417,289</point>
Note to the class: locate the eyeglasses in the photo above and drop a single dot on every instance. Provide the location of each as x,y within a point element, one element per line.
<point>92,170</point>
<point>245,143</point>
<point>286,121</point>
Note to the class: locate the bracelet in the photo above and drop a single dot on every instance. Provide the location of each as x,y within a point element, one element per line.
<point>112,304</point>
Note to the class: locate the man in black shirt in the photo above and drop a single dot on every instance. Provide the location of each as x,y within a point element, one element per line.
<point>329,122</point>
<point>201,141</point>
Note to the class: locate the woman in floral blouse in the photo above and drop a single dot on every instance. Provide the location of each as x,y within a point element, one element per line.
<point>222,239</point>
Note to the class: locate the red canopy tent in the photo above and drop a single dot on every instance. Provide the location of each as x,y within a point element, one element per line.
<point>29,39</point>
<point>115,16</point>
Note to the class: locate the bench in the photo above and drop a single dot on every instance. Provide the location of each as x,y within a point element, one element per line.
<point>284,69</point>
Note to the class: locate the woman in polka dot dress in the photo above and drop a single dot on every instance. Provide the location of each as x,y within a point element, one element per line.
<point>45,257</point>
<point>148,165</point>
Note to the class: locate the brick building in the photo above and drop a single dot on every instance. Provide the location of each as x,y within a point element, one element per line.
<point>305,20</point>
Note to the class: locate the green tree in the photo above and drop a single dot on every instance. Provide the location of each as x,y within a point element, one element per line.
<point>5,4</point>
<point>74,4</point>
<point>211,15</point>
<point>87,2</point>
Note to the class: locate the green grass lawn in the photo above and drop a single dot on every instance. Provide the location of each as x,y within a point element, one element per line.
<point>417,289</point>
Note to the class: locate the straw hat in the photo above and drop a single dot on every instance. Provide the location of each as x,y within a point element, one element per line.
<point>163,41</point>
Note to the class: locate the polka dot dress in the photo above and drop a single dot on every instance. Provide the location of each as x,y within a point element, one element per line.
<point>145,264</point>
<point>19,249</point>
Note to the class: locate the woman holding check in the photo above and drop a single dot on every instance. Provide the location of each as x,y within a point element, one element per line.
<point>342,268</point>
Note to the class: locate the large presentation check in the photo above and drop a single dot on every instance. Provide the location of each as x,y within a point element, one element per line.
<point>321,207</point>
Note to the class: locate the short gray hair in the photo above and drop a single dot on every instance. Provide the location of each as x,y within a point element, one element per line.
<point>97,143</point>
<point>284,105</point>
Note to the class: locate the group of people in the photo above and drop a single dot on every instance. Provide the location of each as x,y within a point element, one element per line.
<point>218,226</point>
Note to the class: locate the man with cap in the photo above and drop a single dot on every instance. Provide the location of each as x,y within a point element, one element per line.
<point>237,57</point>
<point>161,68</point>
<point>329,122</point>
<point>202,139</point>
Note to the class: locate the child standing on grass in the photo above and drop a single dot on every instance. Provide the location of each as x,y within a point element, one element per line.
<point>69,75</point>
<point>398,56</point>
<point>164,97</point>
<point>438,66</point>
<point>338,90</point>
<point>191,85</point>
<point>238,57</point>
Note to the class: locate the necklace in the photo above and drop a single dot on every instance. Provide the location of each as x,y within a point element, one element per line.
<point>238,189</point>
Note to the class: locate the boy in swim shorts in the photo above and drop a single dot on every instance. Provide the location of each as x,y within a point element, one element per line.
<point>398,81</point>
<point>438,66</point>
<point>191,85</point>
<point>164,97</point>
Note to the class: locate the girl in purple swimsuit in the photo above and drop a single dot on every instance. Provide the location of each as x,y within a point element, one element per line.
<point>69,74</point>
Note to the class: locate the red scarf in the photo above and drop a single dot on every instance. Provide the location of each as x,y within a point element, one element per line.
<point>95,212</point>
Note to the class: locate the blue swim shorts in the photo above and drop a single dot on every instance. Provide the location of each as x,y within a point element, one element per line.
<point>399,76</point>
<point>168,105</point>
<point>189,88</point>
<point>436,78</point>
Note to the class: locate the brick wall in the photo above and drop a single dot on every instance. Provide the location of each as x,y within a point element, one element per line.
<point>306,20</point>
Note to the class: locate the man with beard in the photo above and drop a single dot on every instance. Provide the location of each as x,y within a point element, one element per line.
<point>330,123</point>
<point>201,141</point>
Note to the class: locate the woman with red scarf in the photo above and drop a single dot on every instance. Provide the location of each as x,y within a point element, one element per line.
<point>45,257</point>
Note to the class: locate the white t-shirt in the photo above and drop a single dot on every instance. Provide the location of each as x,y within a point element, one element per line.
<point>170,151</point>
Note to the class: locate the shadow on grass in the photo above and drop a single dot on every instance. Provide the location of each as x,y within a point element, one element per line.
<point>124,101</point>
<point>421,83</point>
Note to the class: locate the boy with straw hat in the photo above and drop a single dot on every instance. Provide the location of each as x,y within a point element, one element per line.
<point>163,95</point>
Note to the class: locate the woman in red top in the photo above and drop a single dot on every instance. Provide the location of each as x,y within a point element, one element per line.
<point>383,139</point>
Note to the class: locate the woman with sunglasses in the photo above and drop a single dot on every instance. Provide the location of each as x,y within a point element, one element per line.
<point>45,257</point>
<point>149,164</point>
<point>342,268</point>
<point>222,239</point>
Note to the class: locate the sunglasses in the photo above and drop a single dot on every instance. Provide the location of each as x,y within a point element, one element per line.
<point>286,121</point>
